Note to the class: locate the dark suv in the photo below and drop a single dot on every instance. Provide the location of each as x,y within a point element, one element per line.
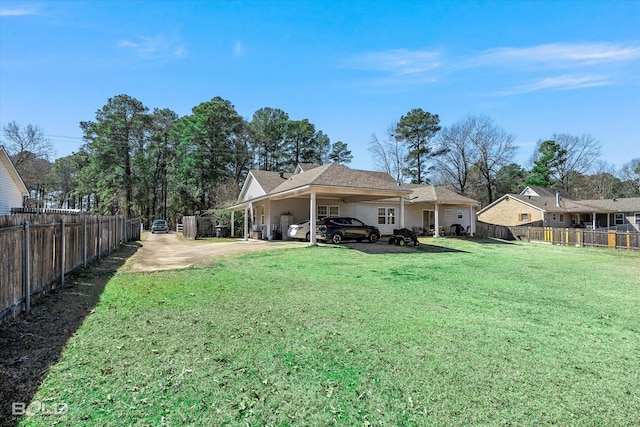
<point>336,229</point>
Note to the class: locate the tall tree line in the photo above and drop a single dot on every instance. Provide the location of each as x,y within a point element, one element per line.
<point>155,164</point>
<point>474,157</point>
<point>152,164</point>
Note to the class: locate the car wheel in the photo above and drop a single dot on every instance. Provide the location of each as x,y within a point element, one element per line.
<point>307,237</point>
<point>336,238</point>
<point>373,237</point>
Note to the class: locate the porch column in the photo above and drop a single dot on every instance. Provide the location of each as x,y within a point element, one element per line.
<point>246,223</point>
<point>232,222</point>
<point>401,211</point>
<point>436,226</point>
<point>472,221</point>
<point>593,220</point>
<point>608,220</point>
<point>312,219</point>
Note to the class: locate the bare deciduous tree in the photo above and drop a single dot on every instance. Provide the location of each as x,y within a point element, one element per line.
<point>389,155</point>
<point>26,144</point>
<point>459,154</point>
<point>581,153</point>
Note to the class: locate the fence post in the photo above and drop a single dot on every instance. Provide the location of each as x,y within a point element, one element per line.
<point>529,234</point>
<point>62,253</point>
<point>84,244</point>
<point>109,236</point>
<point>26,268</point>
<point>99,237</point>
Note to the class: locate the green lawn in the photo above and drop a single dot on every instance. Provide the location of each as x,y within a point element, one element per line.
<point>479,334</point>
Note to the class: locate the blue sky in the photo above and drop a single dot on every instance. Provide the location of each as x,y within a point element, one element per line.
<point>352,68</point>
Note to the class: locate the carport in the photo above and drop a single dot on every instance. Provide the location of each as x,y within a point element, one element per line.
<point>300,192</point>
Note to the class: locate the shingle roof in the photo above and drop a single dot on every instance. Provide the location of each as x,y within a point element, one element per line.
<point>336,175</point>
<point>569,205</point>
<point>432,194</point>
<point>269,180</point>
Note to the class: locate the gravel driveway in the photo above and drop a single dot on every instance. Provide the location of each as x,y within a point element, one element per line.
<point>169,252</point>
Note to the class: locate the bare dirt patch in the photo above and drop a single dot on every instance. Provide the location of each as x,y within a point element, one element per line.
<point>169,251</point>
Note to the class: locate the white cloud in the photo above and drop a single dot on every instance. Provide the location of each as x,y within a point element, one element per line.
<point>17,12</point>
<point>155,47</point>
<point>585,65</point>
<point>563,82</point>
<point>558,55</point>
<point>238,49</point>
<point>399,62</point>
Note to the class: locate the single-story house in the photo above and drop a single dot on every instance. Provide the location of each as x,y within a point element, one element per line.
<point>538,206</point>
<point>12,189</point>
<point>274,200</point>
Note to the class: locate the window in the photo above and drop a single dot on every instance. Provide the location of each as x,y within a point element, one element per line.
<point>323,211</point>
<point>386,216</point>
<point>637,216</point>
<point>524,217</point>
<point>562,218</point>
<point>459,213</point>
<point>619,218</point>
<point>261,214</point>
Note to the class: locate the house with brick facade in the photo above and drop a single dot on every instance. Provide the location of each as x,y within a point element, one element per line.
<point>538,207</point>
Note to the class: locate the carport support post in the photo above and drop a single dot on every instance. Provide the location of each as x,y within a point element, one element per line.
<point>246,223</point>
<point>472,222</point>
<point>312,219</point>
<point>232,224</point>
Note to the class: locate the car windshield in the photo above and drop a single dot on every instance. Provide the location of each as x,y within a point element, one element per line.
<point>159,222</point>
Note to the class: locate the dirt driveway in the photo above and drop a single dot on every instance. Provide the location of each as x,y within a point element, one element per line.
<point>169,252</point>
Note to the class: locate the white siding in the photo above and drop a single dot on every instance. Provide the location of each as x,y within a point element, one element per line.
<point>252,190</point>
<point>10,195</point>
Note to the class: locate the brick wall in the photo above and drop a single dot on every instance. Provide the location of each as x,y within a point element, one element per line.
<point>509,212</point>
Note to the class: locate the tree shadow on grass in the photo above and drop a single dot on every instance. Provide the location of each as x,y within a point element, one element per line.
<point>31,343</point>
<point>383,247</point>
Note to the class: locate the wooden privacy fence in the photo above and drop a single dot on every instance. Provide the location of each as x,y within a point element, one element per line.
<point>36,251</point>
<point>563,236</point>
<point>194,227</point>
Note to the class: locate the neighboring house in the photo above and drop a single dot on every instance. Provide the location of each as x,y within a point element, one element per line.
<point>12,188</point>
<point>272,201</point>
<point>538,206</point>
